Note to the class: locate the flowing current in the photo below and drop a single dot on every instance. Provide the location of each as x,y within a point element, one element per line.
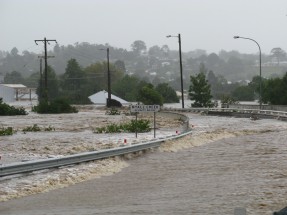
<point>226,163</point>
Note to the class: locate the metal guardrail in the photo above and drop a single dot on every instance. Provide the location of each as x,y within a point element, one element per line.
<point>233,110</point>
<point>30,166</point>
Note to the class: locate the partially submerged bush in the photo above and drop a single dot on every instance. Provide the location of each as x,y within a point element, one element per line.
<point>33,128</point>
<point>6,131</point>
<point>36,128</point>
<point>7,110</point>
<point>141,125</point>
<point>56,106</point>
<point>113,111</point>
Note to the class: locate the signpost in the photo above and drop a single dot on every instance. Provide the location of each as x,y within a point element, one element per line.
<point>145,108</point>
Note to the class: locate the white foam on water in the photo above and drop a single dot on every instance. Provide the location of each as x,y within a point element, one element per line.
<point>51,180</point>
<point>202,138</point>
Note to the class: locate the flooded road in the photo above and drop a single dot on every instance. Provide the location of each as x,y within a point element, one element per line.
<point>245,167</point>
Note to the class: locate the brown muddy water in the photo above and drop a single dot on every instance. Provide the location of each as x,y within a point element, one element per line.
<point>226,163</point>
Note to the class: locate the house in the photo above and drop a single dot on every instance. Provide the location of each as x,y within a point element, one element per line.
<point>16,92</point>
<point>100,98</point>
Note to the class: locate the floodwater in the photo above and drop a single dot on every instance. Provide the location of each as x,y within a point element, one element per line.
<point>227,163</point>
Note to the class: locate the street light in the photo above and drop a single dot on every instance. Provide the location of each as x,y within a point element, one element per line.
<point>260,81</point>
<point>180,63</point>
<point>109,77</point>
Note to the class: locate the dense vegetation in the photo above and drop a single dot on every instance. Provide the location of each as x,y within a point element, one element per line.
<point>7,110</point>
<point>275,91</point>
<point>78,71</point>
<point>56,106</point>
<point>141,125</point>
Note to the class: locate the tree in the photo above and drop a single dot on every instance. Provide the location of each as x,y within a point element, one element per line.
<point>74,76</point>
<point>199,90</point>
<point>277,91</point>
<point>97,76</point>
<point>138,47</point>
<point>243,93</point>
<point>53,86</point>
<point>212,79</point>
<point>165,49</point>
<point>14,52</point>
<point>155,51</point>
<point>127,88</point>
<point>120,65</point>
<point>13,78</point>
<point>149,96</point>
<point>168,93</point>
<point>279,54</point>
<point>213,60</point>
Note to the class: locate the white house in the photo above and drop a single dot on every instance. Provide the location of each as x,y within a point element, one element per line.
<point>13,92</point>
<point>100,98</point>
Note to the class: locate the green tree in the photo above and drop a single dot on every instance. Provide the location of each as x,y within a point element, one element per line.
<point>199,90</point>
<point>149,96</point>
<point>33,80</point>
<point>74,76</point>
<point>243,93</point>
<point>74,83</point>
<point>98,76</point>
<point>138,47</point>
<point>127,88</point>
<point>52,86</point>
<point>168,93</point>
<point>273,95</point>
<point>155,51</point>
<point>13,78</point>
<point>279,54</point>
<point>226,100</point>
<point>120,65</point>
<point>276,91</point>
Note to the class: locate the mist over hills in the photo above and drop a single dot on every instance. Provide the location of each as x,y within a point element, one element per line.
<point>156,64</point>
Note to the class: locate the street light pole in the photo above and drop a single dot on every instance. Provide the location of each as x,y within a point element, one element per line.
<point>260,81</point>
<point>180,64</point>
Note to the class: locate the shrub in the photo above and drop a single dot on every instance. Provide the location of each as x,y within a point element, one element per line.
<point>141,125</point>
<point>36,128</point>
<point>50,128</point>
<point>7,110</point>
<point>56,106</point>
<point>33,128</point>
<point>6,131</point>
<point>113,128</point>
<point>113,111</point>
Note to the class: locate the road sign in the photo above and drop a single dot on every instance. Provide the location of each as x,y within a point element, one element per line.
<point>145,108</point>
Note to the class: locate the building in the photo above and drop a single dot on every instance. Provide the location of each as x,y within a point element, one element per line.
<point>100,98</point>
<point>16,92</point>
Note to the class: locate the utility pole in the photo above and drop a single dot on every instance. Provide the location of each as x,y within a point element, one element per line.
<point>180,64</point>
<point>41,75</point>
<point>109,78</point>
<point>45,41</point>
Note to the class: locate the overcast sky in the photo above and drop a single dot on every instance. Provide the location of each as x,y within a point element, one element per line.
<point>203,24</point>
